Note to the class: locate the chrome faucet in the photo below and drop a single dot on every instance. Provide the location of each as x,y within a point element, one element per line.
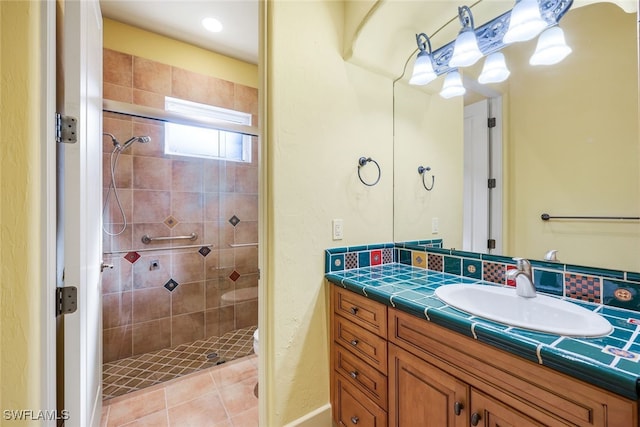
<point>523,277</point>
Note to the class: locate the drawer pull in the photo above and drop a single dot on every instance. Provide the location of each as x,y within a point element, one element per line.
<point>457,408</point>
<point>354,310</point>
<point>355,420</point>
<point>354,342</point>
<point>475,418</point>
<point>354,374</point>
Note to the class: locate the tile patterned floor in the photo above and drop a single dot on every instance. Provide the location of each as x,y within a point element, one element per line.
<point>138,372</point>
<point>220,396</point>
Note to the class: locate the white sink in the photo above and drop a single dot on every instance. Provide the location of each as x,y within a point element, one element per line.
<point>542,313</point>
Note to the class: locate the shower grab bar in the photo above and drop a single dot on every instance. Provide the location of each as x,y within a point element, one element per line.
<point>547,217</point>
<point>242,245</point>
<point>166,248</point>
<point>146,239</point>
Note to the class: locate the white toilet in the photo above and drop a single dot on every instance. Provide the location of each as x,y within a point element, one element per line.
<point>255,342</point>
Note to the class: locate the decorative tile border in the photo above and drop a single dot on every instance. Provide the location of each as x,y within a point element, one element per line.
<point>352,257</point>
<point>614,288</point>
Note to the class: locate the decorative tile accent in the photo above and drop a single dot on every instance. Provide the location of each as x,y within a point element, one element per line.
<point>434,262</point>
<point>387,255</point>
<point>493,272</point>
<point>132,257</point>
<point>337,262</point>
<point>619,352</point>
<point>405,257</point>
<point>364,258</point>
<point>472,268</point>
<point>510,282</point>
<point>550,282</point>
<point>204,251</point>
<point>170,222</point>
<point>234,220</point>
<point>419,259</point>
<point>452,265</point>
<point>234,276</point>
<point>621,294</point>
<point>351,260</point>
<point>376,257</point>
<point>171,285</point>
<point>585,288</point>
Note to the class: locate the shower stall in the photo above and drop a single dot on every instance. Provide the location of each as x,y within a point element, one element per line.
<point>180,231</point>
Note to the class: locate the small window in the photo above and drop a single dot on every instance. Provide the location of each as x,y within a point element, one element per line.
<point>193,141</point>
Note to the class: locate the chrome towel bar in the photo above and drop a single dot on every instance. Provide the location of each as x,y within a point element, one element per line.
<point>146,239</point>
<point>165,248</point>
<point>242,245</point>
<point>547,217</point>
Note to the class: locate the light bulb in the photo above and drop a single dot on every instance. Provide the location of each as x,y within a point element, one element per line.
<point>525,22</point>
<point>494,70</point>
<point>423,70</point>
<point>551,48</point>
<point>452,85</point>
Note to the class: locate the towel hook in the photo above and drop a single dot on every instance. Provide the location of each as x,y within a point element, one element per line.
<point>422,171</point>
<point>363,161</point>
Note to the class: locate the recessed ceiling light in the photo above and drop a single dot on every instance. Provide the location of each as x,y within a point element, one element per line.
<point>212,24</point>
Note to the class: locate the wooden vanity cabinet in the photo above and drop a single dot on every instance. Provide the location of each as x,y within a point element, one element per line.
<point>433,377</point>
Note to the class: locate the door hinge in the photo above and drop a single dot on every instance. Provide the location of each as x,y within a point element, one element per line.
<point>491,122</point>
<point>491,183</point>
<point>66,129</point>
<point>66,300</point>
<point>491,244</point>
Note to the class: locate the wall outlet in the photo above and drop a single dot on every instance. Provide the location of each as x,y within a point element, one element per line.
<point>338,229</point>
<point>434,225</point>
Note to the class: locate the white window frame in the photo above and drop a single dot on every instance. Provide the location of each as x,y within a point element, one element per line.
<point>174,146</point>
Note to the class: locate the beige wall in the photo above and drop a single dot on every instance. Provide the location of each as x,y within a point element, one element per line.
<point>573,144</point>
<point>21,173</point>
<point>324,115</point>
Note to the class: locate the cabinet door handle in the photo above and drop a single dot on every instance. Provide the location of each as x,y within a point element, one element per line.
<point>355,420</point>
<point>354,374</point>
<point>354,310</point>
<point>354,342</point>
<point>475,418</point>
<point>457,408</point>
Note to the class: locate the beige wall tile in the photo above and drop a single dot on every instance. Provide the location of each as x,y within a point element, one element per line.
<point>188,298</point>
<point>247,314</point>
<point>220,93</point>
<point>246,100</point>
<point>211,176</point>
<point>212,207</point>
<point>150,304</point>
<point>151,173</point>
<point>148,99</point>
<point>218,321</point>
<point>144,277</point>
<point>189,85</point>
<point>117,68</point>
<point>187,328</point>
<point>187,267</point>
<point>246,179</point>
<point>187,175</point>
<point>151,205</point>
<point>151,76</point>
<point>116,309</point>
<point>117,343</point>
<point>185,229</point>
<point>151,336</point>
<point>117,93</point>
<point>187,207</point>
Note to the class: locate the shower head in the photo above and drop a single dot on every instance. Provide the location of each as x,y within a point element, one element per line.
<point>142,139</point>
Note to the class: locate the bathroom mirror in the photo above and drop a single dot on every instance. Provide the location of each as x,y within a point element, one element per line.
<point>570,147</point>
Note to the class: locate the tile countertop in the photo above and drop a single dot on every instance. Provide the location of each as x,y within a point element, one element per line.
<point>593,360</point>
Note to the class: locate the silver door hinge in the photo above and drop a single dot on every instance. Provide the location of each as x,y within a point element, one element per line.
<point>66,129</point>
<point>66,300</point>
<point>491,122</point>
<point>491,183</point>
<point>491,244</point>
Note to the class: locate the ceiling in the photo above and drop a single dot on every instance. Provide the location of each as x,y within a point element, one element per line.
<point>181,20</point>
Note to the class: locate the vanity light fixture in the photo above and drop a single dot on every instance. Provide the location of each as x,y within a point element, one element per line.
<point>465,50</point>
<point>423,72</point>
<point>452,85</point>
<point>551,49</point>
<point>494,70</point>
<point>525,23</point>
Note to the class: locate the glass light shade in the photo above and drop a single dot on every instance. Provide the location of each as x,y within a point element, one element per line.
<point>423,70</point>
<point>525,22</point>
<point>551,48</point>
<point>465,50</point>
<point>452,85</point>
<point>494,70</point>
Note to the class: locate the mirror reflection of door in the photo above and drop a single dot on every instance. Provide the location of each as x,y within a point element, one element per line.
<point>482,182</point>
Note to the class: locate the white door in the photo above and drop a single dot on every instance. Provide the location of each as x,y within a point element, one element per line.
<point>80,183</point>
<point>482,210</point>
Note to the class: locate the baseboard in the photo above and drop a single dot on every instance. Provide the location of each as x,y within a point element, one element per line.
<point>320,417</point>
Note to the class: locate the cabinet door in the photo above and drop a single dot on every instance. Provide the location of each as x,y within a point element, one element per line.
<point>488,412</point>
<point>423,395</point>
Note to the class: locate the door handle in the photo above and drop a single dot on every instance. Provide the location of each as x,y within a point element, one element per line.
<point>104,266</point>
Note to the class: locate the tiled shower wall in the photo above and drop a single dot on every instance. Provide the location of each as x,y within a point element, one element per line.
<point>147,308</point>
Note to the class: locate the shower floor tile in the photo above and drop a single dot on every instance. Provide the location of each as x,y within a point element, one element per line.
<point>137,372</point>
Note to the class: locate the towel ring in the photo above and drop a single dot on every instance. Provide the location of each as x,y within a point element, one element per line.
<point>421,171</point>
<point>363,161</point>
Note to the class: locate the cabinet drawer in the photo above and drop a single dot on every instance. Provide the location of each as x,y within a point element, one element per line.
<point>360,374</point>
<point>364,344</point>
<point>353,408</point>
<point>360,310</point>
